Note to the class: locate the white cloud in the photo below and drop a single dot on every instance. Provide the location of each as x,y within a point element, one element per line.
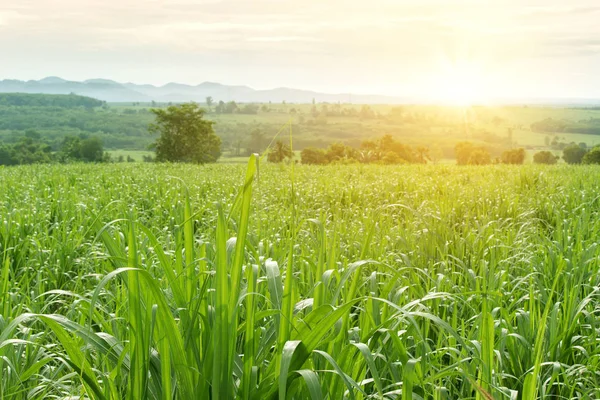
<point>335,45</point>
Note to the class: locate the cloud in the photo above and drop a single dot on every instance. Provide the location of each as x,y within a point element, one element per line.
<point>325,43</point>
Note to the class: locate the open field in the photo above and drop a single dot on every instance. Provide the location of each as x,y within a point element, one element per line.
<point>251,127</point>
<point>414,282</point>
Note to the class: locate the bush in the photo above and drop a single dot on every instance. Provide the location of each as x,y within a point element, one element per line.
<point>515,156</point>
<point>592,157</point>
<point>480,156</point>
<point>545,157</point>
<point>469,154</point>
<point>573,154</point>
<point>311,155</point>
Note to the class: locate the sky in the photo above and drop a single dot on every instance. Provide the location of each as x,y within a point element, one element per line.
<point>409,48</point>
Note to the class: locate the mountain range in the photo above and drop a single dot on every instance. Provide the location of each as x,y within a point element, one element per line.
<point>111,91</point>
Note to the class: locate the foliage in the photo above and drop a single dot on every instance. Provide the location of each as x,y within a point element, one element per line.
<point>54,117</point>
<point>573,154</point>
<point>314,156</point>
<point>551,125</point>
<point>480,156</point>
<point>545,157</point>
<point>185,136</point>
<point>592,157</point>
<point>385,150</point>
<point>26,151</point>
<point>118,281</point>
<point>468,153</point>
<point>514,156</point>
<point>86,149</point>
<point>125,126</point>
<point>279,153</point>
<point>48,100</point>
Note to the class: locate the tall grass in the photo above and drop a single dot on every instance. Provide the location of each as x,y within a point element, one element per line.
<point>418,282</point>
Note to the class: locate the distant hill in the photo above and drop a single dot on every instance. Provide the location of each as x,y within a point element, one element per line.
<point>112,91</point>
<point>48,100</point>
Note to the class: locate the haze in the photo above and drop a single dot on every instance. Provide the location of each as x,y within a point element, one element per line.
<point>426,49</point>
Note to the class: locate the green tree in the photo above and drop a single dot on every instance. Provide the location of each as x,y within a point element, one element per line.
<point>209,102</point>
<point>7,156</point>
<point>392,158</point>
<point>573,154</point>
<point>515,156</point>
<point>311,155</point>
<point>480,156</point>
<point>92,149</point>
<point>545,157</point>
<point>279,152</point>
<point>592,157</point>
<point>70,149</point>
<point>336,152</point>
<point>185,136</point>
<point>468,153</point>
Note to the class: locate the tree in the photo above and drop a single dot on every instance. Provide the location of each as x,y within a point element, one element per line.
<point>209,102</point>
<point>70,149</point>
<point>573,154</point>
<point>335,152</point>
<point>422,154</point>
<point>255,142</point>
<point>311,155</point>
<point>86,149</point>
<point>480,156</point>
<point>468,153</point>
<point>463,152</point>
<point>592,157</point>
<point>92,150</point>
<point>279,153</point>
<point>185,136</point>
<point>392,158</point>
<point>545,157</point>
<point>7,156</point>
<point>516,156</point>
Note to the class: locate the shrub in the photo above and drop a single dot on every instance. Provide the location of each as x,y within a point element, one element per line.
<point>515,156</point>
<point>573,154</point>
<point>545,157</point>
<point>592,157</point>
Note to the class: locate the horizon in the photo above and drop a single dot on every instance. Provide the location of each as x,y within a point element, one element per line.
<point>463,51</point>
<point>499,101</point>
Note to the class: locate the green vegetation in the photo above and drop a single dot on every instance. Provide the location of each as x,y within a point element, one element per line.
<point>279,152</point>
<point>592,157</point>
<point>32,149</point>
<point>545,157</point>
<point>153,281</point>
<point>56,116</point>
<point>249,128</point>
<point>573,154</point>
<point>514,156</point>
<point>590,126</point>
<point>185,135</point>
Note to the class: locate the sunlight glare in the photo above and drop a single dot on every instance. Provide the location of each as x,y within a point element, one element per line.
<point>460,84</point>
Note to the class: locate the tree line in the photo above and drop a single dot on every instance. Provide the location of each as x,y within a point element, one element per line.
<point>32,149</point>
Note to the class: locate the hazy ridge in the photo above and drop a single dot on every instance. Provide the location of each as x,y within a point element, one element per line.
<point>112,91</point>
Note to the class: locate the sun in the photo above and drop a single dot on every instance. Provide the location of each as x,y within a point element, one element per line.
<point>459,83</point>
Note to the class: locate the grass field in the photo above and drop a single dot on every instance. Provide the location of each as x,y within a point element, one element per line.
<point>145,281</point>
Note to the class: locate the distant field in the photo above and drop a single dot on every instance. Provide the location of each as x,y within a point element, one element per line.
<point>246,128</point>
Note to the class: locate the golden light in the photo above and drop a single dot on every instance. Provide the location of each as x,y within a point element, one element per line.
<point>459,83</point>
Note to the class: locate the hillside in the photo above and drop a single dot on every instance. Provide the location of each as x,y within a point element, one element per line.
<point>111,91</point>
